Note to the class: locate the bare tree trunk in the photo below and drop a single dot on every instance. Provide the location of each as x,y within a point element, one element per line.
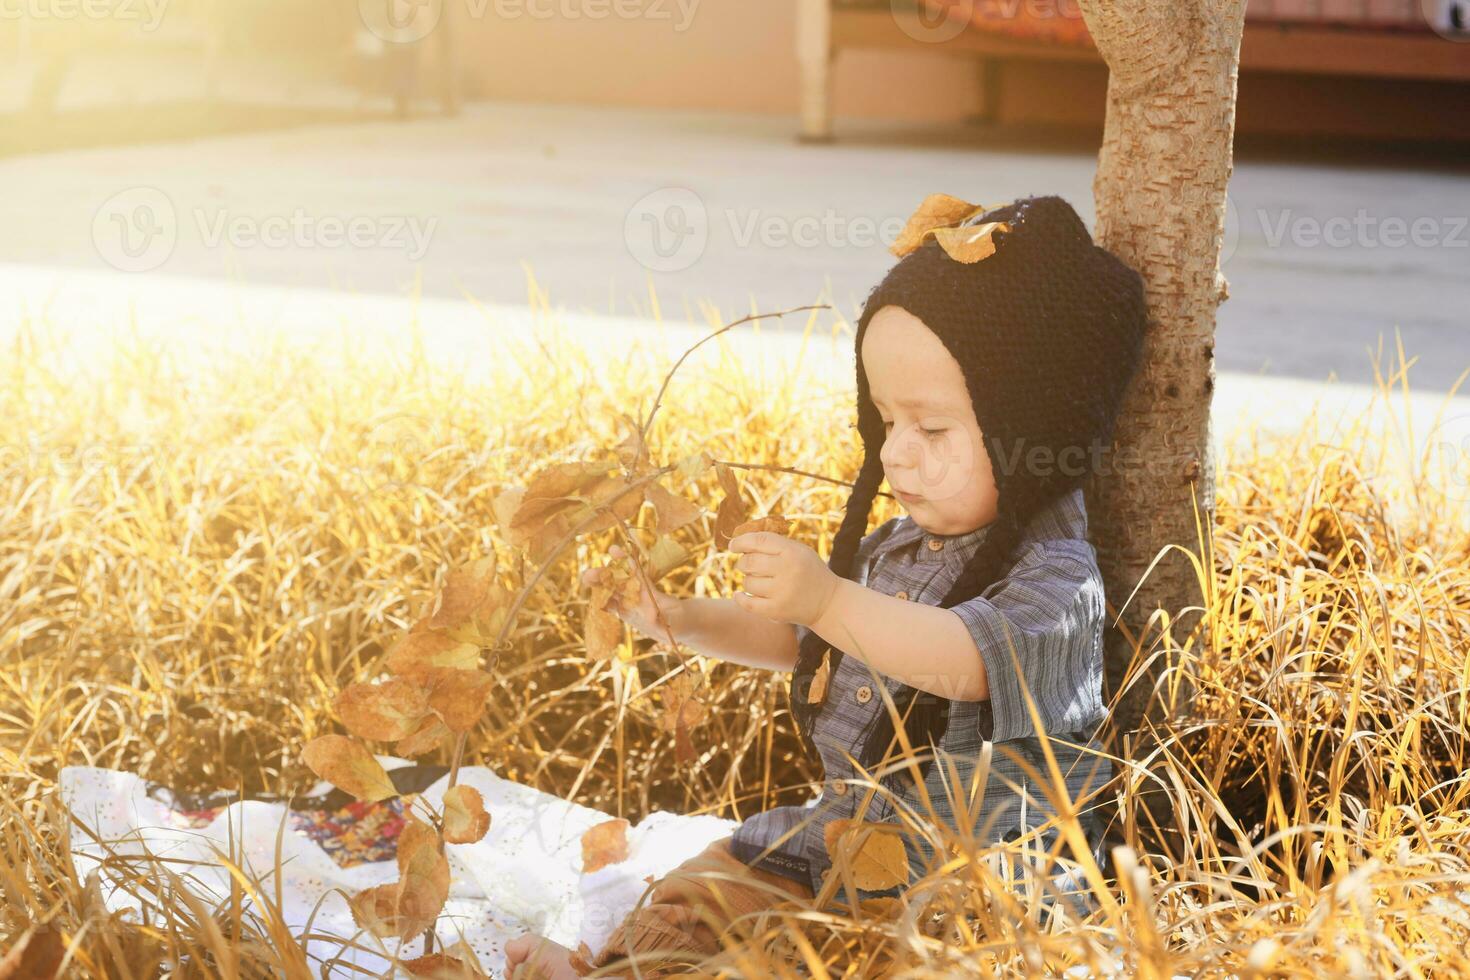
<point>1160,197</point>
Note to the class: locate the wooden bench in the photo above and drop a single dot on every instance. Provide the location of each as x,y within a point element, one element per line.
<point>1399,73</point>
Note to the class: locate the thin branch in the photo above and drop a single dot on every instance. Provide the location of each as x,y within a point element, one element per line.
<point>643,432</point>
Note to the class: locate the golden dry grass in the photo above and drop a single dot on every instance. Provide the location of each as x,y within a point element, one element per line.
<point>195,555</point>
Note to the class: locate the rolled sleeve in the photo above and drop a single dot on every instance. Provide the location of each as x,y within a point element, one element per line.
<point>1050,610</point>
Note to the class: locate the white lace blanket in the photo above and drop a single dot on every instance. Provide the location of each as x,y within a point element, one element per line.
<point>524,875</point>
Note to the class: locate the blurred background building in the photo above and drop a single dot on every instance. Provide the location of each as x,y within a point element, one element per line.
<point>97,71</point>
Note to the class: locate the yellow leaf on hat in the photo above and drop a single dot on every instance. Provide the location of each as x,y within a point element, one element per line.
<point>936,211</point>
<point>970,243</point>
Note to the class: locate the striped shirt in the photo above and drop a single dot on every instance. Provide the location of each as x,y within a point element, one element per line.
<point>1049,608</point>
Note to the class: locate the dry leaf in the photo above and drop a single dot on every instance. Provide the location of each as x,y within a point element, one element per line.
<point>348,765</point>
<point>382,712</point>
<point>423,648</point>
<point>473,606</point>
<point>505,504</point>
<point>602,630</point>
<point>37,956</point>
<point>970,243</point>
<point>582,959</point>
<point>423,877</point>
<point>429,735</point>
<point>873,852</point>
<point>732,512</point>
<point>443,966</point>
<point>935,211</point>
<point>692,467</point>
<point>683,745</point>
<point>673,511</point>
<point>680,706</point>
<point>559,498</point>
<point>604,844</point>
<point>665,556</point>
<point>376,910</point>
<point>633,450</point>
<point>617,494</point>
<point>465,819</point>
<point>771,522</point>
<point>820,677</point>
<point>458,696</point>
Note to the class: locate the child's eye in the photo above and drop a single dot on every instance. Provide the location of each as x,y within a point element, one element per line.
<point>931,433</point>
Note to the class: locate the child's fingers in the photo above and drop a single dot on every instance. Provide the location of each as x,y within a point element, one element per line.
<point>763,541</point>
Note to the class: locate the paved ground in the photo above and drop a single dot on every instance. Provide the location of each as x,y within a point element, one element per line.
<point>601,204</point>
<point>621,218</point>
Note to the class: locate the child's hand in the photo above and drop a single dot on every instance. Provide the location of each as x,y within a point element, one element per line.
<point>644,616</point>
<point>785,580</point>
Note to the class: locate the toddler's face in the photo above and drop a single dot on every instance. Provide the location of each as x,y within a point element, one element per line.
<point>932,452</point>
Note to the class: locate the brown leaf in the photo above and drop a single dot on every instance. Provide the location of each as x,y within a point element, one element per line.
<point>873,852</point>
<point>423,648</point>
<point>376,910</point>
<point>37,956</point>
<point>382,712</point>
<point>692,467</point>
<point>473,605</point>
<point>731,513</point>
<point>465,819</point>
<point>771,522</point>
<point>673,511</point>
<point>458,696</point>
<point>505,504</point>
<point>683,745</point>
<point>582,959</point>
<point>429,735</point>
<point>442,966</point>
<point>602,630</point>
<point>970,243</point>
<point>616,494</point>
<point>604,844</point>
<point>935,211</point>
<point>665,556</point>
<point>681,707</point>
<point>633,450</point>
<point>423,877</point>
<point>559,498</point>
<point>820,677</point>
<point>348,765</point>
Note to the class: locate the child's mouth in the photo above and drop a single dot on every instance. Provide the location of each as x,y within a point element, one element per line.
<point>908,498</point>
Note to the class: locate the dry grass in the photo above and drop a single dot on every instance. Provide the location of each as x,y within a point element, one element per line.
<point>195,555</point>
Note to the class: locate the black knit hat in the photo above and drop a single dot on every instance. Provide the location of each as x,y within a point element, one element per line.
<point>1047,331</point>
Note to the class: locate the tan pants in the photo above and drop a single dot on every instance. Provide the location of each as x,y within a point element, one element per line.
<point>684,916</point>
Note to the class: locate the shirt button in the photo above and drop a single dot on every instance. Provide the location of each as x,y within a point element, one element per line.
<point>900,594</point>
<point>864,694</point>
<point>840,788</point>
<point>935,544</point>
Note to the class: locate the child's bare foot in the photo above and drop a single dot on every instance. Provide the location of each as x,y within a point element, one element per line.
<point>533,957</point>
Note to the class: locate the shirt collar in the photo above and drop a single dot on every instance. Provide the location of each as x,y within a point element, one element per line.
<point>958,547</point>
<point>1064,517</point>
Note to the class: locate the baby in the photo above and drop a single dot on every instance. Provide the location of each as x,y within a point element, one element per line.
<point>986,391</point>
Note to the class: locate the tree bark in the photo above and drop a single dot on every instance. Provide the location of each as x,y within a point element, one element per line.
<point>1160,202</point>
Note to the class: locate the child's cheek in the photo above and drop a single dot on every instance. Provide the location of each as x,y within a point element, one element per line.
<point>947,469</point>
